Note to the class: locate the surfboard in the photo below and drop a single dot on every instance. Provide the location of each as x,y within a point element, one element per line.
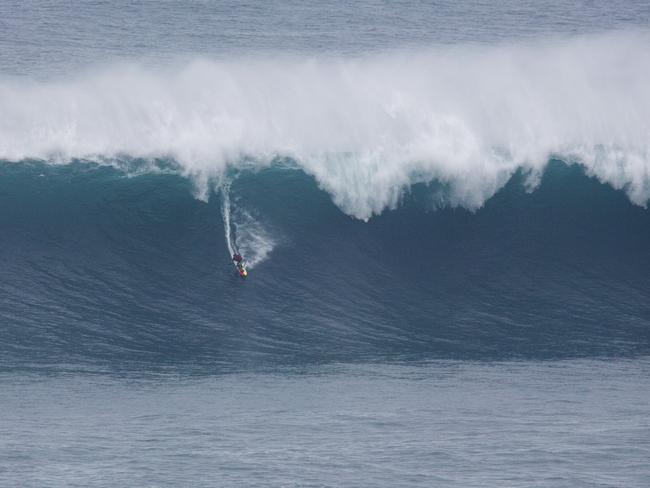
<point>241,269</point>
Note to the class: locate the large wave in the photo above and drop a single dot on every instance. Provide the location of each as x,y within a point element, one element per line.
<point>98,268</point>
<point>367,129</point>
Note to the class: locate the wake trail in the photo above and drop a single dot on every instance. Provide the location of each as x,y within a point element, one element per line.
<point>243,232</point>
<point>225,212</point>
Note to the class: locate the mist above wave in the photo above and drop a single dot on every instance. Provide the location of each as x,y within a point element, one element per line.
<point>468,116</point>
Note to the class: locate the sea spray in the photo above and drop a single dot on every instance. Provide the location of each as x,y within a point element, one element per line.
<point>249,237</point>
<point>367,129</point>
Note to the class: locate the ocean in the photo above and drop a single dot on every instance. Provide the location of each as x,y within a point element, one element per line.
<point>442,207</point>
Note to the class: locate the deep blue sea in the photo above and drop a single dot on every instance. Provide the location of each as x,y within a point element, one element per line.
<point>443,209</point>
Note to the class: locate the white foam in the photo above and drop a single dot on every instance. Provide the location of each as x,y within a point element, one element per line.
<point>225,214</point>
<point>250,237</point>
<point>253,239</point>
<point>366,129</point>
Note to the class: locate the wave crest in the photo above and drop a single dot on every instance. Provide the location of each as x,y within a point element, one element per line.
<point>367,129</point>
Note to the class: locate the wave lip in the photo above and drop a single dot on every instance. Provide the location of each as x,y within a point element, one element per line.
<point>469,116</point>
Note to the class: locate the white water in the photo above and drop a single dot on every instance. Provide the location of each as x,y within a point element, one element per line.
<point>225,213</point>
<point>250,237</point>
<point>366,129</point>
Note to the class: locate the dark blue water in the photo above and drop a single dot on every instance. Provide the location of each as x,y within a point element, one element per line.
<point>443,207</point>
<point>103,269</point>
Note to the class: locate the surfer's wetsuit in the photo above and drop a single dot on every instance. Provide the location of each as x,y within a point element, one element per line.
<point>237,258</point>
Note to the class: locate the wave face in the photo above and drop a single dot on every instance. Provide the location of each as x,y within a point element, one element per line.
<point>366,128</point>
<point>464,201</point>
<point>100,267</point>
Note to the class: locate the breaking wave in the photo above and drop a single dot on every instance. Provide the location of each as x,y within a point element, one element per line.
<point>367,129</point>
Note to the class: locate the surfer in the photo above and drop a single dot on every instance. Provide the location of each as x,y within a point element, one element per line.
<point>239,264</point>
